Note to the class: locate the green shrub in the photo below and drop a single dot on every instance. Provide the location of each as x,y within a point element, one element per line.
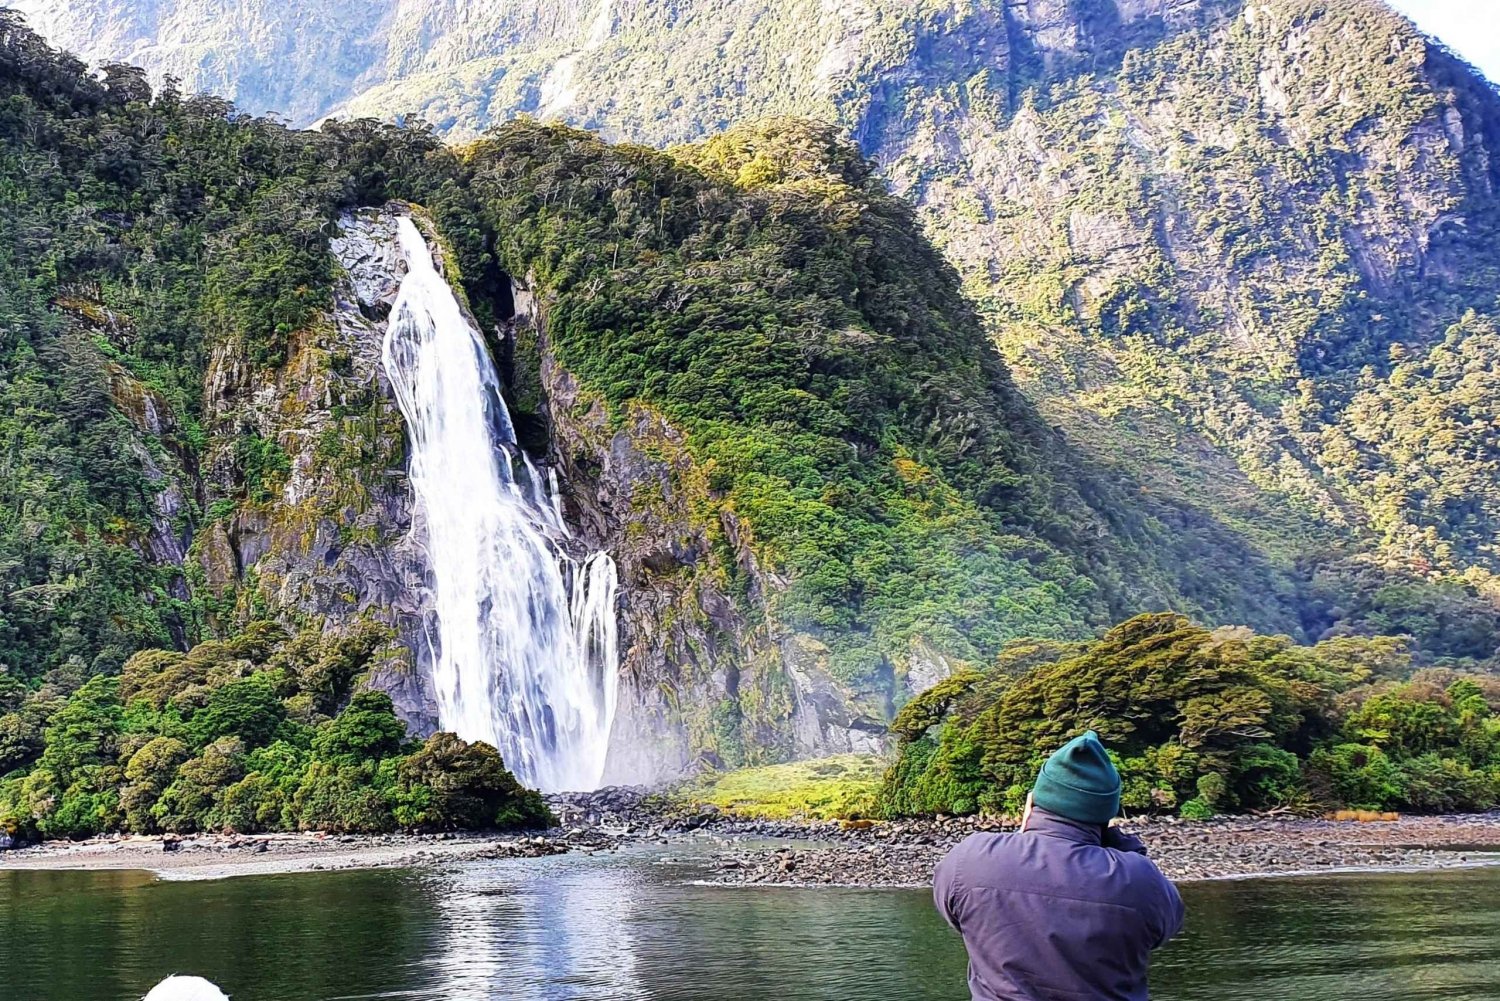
<point>254,803</point>
<point>1213,788</point>
<point>1433,783</point>
<point>449,784</point>
<point>342,797</point>
<point>248,709</point>
<point>367,730</point>
<point>839,787</point>
<point>187,805</point>
<point>148,773</point>
<point>1263,776</point>
<point>1196,809</point>
<point>89,806</point>
<point>1361,775</point>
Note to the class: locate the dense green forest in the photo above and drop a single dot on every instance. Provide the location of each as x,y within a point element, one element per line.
<point>1241,255</point>
<point>260,733</point>
<point>761,290</point>
<point>1212,237</point>
<point>1204,721</point>
<point>840,404</point>
<point>135,231</point>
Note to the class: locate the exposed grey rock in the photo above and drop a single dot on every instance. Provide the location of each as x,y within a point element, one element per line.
<point>337,544</point>
<point>703,684</point>
<point>925,667</point>
<point>365,247</point>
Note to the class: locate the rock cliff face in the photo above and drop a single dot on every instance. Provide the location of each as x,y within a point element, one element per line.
<point>325,536</point>
<point>480,63</point>
<point>703,682</point>
<point>1191,224</point>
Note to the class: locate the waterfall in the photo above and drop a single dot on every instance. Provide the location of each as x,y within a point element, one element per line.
<point>525,654</point>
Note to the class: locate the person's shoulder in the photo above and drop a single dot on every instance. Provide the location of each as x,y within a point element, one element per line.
<point>979,846</point>
<point>985,841</point>
<point>975,859</point>
<point>1149,891</point>
<point>1136,862</point>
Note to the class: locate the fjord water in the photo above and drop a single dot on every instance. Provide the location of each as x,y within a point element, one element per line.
<point>574,928</point>
<point>524,638</point>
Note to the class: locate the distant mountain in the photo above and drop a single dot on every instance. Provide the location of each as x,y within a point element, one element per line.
<point>742,370</point>
<point>1241,254</point>
<point>656,70</point>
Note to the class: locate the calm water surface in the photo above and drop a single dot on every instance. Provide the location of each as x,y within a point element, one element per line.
<point>626,927</point>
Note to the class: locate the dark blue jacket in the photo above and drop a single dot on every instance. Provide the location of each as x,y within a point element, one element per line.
<point>1051,914</point>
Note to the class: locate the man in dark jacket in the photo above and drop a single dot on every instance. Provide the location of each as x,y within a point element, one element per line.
<point>1066,908</point>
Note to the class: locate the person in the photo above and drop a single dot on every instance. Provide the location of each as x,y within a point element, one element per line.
<point>1067,907</point>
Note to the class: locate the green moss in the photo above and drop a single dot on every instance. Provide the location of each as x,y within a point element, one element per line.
<point>840,787</point>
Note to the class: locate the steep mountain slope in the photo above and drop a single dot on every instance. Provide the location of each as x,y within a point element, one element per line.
<point>1240,253</point>
<point>1203,218</point>
<point>760,385</point>
<point>1240,258</point>
<point>292,58</point>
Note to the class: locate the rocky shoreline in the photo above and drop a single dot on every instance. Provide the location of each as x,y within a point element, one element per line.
<point>903,853</point>
<point>738,852</point>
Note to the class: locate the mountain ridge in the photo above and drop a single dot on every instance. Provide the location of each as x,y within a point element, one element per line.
<point>1237,257</point>
<point>1094,170</point>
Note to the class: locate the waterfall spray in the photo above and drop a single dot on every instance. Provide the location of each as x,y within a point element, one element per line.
<point>525,654</point>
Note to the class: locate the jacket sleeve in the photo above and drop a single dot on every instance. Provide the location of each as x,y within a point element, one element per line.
<point>1169,911</point>
<point>946,887</point>
<point>1124,842</point>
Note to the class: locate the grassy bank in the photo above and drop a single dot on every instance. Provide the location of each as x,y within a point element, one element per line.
<point>836,788</point>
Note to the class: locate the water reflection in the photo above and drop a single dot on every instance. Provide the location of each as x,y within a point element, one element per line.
<point>627,928</point>
<point>533,928</point>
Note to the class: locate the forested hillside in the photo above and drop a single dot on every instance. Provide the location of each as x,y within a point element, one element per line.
<point>1239,254</point>
<point>1209,327</point>
<point>760,290</point>
<point>830,489</point>
<point>1275,231</point>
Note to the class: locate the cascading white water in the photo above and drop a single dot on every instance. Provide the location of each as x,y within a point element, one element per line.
<point>525,654</point>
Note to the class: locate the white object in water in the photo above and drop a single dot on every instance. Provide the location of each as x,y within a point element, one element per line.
<point>185,989</point>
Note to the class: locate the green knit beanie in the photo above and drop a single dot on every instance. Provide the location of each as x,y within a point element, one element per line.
<point>1079,782</point>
